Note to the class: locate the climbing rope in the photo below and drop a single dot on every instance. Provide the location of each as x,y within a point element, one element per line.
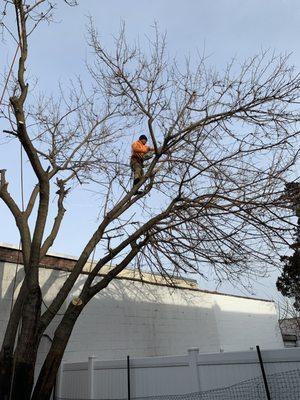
<point>17,265</point>
<point>19,247</point>
<point>9,73</point>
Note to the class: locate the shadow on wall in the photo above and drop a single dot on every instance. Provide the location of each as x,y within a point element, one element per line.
<point>143,320</point>
<point>11,278</point>
<point>149,320</point>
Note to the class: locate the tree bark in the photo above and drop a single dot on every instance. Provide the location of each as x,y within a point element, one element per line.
<point>27,347</point>
<point>7,350</point>
<point>47,375</point>
<point>6,365</point>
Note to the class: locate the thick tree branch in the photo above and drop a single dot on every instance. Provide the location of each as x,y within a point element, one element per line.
<point>62,192</point>
<point>63,293</point>
<point>117,269</point>
<point>20,219</point>
<point>31,201</point>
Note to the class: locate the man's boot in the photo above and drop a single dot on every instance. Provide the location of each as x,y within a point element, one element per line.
<point>135,182</point>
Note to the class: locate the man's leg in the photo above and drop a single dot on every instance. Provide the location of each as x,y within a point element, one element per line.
<point>137,168</point>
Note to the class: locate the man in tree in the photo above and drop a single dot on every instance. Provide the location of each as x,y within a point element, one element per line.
<point>139,152</point>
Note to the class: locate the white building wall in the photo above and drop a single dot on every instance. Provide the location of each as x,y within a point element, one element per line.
<point>150,320</point>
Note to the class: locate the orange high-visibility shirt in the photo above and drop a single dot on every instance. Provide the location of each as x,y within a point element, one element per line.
<point>138,149</point>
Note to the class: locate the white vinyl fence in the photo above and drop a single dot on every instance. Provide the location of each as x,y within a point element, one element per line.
<point>176,375</point>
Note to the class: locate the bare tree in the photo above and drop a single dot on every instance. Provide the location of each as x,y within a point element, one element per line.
<point>211,195</point>
<point>288,282</point>
<point>289,317</point>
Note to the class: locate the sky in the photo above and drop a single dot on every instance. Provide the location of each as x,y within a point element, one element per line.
<point>221,29</point>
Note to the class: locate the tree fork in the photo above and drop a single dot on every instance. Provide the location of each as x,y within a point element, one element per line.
<point>47,375</point>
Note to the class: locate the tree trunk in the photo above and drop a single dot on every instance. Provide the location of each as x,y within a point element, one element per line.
<point>5,373</point>
<point>7,350</point>
<point>47,375</point>
<point>27,346</point>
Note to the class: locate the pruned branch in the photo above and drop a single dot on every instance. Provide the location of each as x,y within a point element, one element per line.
<point>62,192</point>
<point>31,201</point>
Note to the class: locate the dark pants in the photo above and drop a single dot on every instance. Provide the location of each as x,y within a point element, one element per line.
<point>136,165</point>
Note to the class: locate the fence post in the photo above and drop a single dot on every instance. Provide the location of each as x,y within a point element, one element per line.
<point>128,379</point>
<point>263,373</point>
<point>193,357</point>
<point>91,387</point>
<point>58,392</point>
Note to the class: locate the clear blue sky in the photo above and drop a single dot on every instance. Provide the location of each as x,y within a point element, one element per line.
<point>222,28</point>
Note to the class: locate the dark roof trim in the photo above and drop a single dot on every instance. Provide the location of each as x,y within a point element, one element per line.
<point>13,255</point>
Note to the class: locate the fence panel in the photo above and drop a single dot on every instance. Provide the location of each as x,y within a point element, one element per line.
<point>231,376</point>
<point>74,382</point>
<point>164,376</point>
<point>226,369</point>
<point>110,379</point>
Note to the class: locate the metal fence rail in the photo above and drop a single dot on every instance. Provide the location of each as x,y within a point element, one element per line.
<point>282,385</point>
